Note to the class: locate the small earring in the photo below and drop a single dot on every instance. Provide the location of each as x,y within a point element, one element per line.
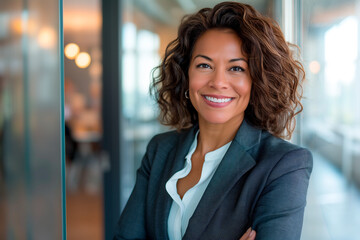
<point>187,94</point>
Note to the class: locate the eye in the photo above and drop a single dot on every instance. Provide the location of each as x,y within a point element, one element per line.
<point>237,69</point>
<point>203,65</point>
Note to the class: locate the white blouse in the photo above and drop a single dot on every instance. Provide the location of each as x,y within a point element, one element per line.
<point>182,209</point>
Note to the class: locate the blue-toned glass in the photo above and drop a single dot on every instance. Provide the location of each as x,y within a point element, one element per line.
<point>31,159</point>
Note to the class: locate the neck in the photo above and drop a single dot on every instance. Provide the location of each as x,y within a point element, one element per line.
<point>214,136</point>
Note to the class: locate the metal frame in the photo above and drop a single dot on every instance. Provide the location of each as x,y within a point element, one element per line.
<point>111,111</point>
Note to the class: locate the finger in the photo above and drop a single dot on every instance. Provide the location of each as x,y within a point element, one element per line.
<point>246,234</point>
<point>252,235</point>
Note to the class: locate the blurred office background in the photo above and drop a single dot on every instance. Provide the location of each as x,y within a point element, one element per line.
<point>87,63</point>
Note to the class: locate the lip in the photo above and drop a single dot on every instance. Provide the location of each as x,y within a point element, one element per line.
<point>216,104</point>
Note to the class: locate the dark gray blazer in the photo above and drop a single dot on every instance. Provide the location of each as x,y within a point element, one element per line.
<point>261,182</point>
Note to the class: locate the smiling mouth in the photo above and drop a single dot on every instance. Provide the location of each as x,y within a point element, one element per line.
<point>218,100</point>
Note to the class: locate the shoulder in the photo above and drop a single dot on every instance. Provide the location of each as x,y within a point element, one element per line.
<point>162,150</point>
<point>282,155</point>
<point>276,144</point>
<point>166,141</point>
<point>165,138</point>
<point>162,141</point>
<point>270,144</point>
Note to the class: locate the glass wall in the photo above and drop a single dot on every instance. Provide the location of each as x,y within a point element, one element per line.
<point>331,118</point>
<point>31,160</point>
<point>331,57</point>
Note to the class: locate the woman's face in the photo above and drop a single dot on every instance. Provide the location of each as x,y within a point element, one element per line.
<point>219,78</point>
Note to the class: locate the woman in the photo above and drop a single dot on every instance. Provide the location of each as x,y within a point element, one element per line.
<point>229,84</point>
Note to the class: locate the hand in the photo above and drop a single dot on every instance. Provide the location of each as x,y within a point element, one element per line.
<point>249,235</point>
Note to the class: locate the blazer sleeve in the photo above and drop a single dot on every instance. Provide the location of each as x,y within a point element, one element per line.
<point>280,208</point>
<point>131,224</point>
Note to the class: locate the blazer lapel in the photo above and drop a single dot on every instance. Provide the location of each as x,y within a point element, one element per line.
<point>173,164</point>
<point>233,166</point>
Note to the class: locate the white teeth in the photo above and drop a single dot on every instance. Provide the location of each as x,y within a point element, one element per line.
<point>218,100</point>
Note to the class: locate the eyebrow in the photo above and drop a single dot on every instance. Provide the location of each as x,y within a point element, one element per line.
<point>238,59</point>
<point>231,60</point>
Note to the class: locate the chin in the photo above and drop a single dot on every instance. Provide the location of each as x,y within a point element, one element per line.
<point>216,119</point>
<point>221,118</point>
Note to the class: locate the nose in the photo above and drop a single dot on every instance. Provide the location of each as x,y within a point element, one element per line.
<point>218,80</point>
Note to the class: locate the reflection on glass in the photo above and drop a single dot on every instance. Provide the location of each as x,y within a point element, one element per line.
<point>47,37</point>
<point>314,67</point>
<point>331,126</point>
<point>31,170</point>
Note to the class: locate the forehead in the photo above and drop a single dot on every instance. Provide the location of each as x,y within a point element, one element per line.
<point>224,41</point>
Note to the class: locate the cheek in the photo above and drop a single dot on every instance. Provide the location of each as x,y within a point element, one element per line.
<point>196,81</point>
<point>243,87</point>
<point>247,89</point>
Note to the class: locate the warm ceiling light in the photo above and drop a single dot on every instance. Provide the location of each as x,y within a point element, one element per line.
<point>47,38</point>
<point>71,50</point>
<point>17,25</point>
<point>83,60</point>
<point>314,67</point>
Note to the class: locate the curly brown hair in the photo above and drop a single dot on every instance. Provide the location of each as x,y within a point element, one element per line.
<point>276,74</point>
